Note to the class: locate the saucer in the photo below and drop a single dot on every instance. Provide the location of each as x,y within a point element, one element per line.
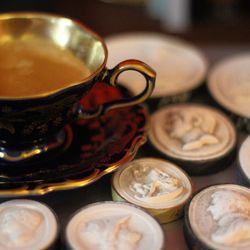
<point>180,66</point>
<point>94,148</point>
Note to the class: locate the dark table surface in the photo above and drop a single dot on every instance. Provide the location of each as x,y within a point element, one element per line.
<point>216,40</point>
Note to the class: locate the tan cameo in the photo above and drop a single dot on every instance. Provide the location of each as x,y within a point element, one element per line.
<point>192,132</point>
<point>228,83</point>
<point>19,227</point>
<point>111,233</point>
<point>27,224</point>
<point>152,183</point>
<point>231,211</point>
<point>180,66</point>
<point>155,185</point>
<point>158,186</point>
<point>113,226</point>
<point>244,161</point>
<point>219,216</point>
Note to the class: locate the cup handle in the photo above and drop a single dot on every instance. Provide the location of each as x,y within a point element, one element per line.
<point>110,76</point>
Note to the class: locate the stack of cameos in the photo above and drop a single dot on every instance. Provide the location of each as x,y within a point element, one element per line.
<point>198,138</point>
<point>156,185</point>
<point>113,225</point>
<point>180,66</point>
<point>228,83</point>
<point>244,162</point>
<point>27,225</point>
<point>218,217</point>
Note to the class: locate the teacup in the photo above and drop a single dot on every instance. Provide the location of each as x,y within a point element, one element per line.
<point>48,64</point>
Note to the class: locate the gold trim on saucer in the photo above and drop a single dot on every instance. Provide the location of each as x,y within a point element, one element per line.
<point>72,184</point>
<point>97,173</point>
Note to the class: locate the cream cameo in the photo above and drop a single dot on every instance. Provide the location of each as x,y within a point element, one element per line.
<point>27,225</point>
<point>192,134</point>
<point>244,162</point>
<point>228,83</point>
<point>159,186</point>
<point>219,216</point>
<point>152,183</point>
<point>113,226</point>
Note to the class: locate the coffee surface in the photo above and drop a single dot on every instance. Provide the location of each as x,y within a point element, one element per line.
<point>30,68</point>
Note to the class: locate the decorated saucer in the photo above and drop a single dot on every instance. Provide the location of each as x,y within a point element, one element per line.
<point>93,148</point>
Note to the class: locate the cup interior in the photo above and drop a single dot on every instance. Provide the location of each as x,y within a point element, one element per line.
<point>61,31</point>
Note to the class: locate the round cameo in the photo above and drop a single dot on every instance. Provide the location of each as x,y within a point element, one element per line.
<point>158,186</point>
<point>244,162</point>
<point>218,217</point>
<point>228,83</point>
<point>198,137</point>
<point>180,66</point>
<point>113,225</point>
<point>27,225</point>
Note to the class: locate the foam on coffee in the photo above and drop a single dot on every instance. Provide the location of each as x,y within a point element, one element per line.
<point>34,67</point>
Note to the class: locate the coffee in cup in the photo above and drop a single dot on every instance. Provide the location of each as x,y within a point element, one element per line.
<point>29,68</point>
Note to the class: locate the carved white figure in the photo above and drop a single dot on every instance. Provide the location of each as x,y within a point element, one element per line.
<point>110,234</point>
<point>150,183</point>
<point>231,211</point>
<point>18,227</point>
<point>194,130</point>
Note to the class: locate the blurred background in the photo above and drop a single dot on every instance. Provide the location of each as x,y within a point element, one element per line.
<point>206,21</point>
